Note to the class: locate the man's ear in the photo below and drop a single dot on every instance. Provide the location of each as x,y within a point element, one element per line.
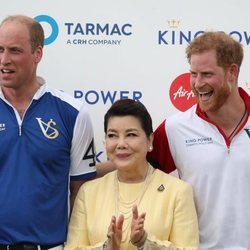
<point>233,71</point>
<point>38,54</point>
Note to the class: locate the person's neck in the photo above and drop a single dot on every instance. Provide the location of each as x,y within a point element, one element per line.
<point>134,175</point>
<point>20,98</point>
<point>229,118</point>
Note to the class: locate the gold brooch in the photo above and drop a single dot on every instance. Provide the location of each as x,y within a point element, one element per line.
<point>161,188</point>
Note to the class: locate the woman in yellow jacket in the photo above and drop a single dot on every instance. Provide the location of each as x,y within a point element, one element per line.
<point>135,206</point>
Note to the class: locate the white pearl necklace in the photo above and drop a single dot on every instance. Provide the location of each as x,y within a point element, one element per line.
<point>125,207</point>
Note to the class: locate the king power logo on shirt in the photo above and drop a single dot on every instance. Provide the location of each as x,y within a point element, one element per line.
<point>181,94</point>
<point>198,141</point>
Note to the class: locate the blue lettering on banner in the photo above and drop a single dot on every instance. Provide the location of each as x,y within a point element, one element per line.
<point>240,37</point>
<point>86,29</point>
<point>98,155</point>
<point>92,96</point>
<point>169,37</point>
<point>173,37</point>
<point>93,42</point>
<point>98,29</point>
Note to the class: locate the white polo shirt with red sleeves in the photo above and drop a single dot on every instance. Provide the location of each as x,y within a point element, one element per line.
<point>218,170</point>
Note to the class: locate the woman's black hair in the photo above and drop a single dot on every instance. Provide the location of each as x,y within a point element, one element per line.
<point>131,107</point>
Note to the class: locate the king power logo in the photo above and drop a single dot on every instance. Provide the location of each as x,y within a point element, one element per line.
<point>181,94</point>
<point>47,129</point>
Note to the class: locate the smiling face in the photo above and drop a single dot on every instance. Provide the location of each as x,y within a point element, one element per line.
<point>211,84</point>
<point>127,143</point>
<point>18,62</point>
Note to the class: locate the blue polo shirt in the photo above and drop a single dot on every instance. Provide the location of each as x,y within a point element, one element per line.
<point>39,153</point>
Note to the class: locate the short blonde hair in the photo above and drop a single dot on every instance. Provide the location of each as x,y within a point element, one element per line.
<point>35,29</point>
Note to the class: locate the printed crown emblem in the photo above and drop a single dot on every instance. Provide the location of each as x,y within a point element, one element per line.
<point>173,23</point>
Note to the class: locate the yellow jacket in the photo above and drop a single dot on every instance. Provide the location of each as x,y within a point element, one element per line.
<point>171,221</point>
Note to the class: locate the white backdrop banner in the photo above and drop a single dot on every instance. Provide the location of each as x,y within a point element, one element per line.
<point>101,51</point>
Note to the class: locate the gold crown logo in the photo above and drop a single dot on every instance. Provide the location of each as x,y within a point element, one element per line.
<point>173,23</point>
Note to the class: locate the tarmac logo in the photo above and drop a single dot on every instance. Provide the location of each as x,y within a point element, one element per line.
<point>50,21</point>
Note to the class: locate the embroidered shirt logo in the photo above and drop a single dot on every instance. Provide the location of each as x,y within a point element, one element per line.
<point>198,141</point>
<point>2,126</point>
<point>47,129</point>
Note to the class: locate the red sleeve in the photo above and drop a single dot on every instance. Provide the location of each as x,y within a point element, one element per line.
<point>161,156</point>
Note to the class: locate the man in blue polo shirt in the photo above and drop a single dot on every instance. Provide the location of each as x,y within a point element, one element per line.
<point>47,145</point>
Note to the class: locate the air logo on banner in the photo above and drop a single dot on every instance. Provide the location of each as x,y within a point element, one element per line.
<point>180,92</point>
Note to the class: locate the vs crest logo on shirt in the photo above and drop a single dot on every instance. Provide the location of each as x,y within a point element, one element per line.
<point>47,129</point>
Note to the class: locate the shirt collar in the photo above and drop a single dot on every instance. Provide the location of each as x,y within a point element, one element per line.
<point>39,93</point>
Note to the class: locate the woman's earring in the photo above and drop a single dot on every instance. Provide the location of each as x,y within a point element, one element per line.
<point>150,148</point>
